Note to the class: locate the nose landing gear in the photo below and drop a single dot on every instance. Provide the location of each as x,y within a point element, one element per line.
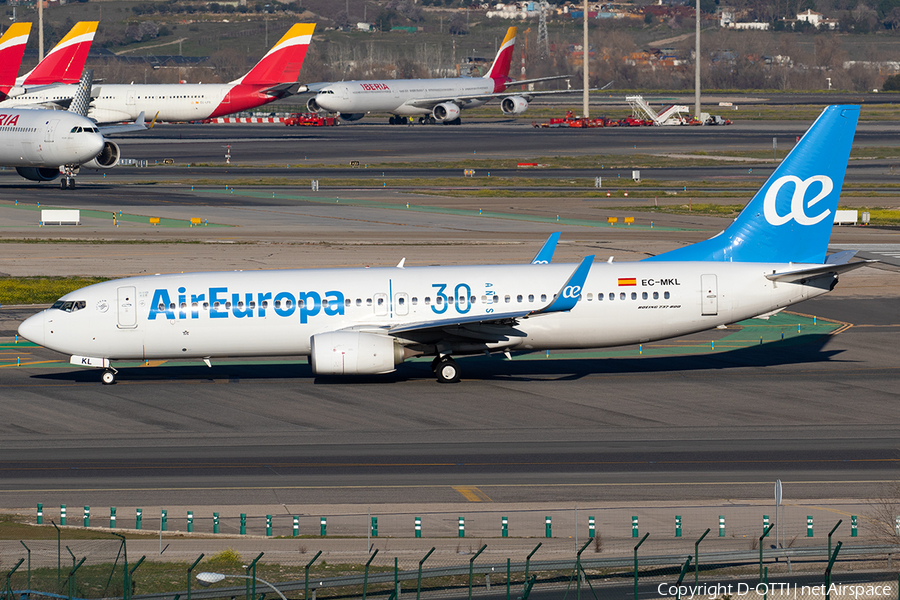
<point>109,376</point>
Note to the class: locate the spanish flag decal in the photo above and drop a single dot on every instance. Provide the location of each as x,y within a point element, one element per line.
<point>627,281</point>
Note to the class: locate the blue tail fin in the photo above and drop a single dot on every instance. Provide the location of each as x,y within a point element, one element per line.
<point>790,218</point>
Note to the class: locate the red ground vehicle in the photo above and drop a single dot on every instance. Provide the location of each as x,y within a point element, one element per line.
<point>310,120</point>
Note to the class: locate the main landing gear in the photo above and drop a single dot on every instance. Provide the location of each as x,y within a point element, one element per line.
<point>446,369</point>
<point>109,376</point>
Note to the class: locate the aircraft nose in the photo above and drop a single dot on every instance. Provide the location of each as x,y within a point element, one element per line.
<point>32,328</point>
<point>97,144</point>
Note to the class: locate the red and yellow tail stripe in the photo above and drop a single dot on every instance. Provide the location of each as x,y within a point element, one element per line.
<point>65,62</point>
<point>500,68</point>
<point>12,48</point>
<point>283,62</point>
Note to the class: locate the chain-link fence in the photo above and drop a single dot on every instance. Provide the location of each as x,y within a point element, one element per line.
<point>637,553</point>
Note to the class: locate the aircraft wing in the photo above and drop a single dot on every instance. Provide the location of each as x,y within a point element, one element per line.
<point>138,125</point>
<point>430,103</point>
<point>564,300</point>
<point>527,81</point>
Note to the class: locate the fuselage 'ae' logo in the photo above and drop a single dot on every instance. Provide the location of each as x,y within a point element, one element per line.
<point>799,204</point>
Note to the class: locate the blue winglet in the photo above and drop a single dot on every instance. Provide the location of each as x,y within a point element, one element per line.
<point>545,254</point>
<point>570,292</point>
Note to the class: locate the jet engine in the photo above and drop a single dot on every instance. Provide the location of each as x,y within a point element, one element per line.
<point>513,105</point>
<point>107,159</point>
<point>354,353</point>
<point>38,173</point>
<point>351,116</point>
<point>445,112</point>
<point>312,105</point>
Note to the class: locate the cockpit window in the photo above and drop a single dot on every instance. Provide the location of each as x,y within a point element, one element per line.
<point>69,306</point>
<point>75,130</point>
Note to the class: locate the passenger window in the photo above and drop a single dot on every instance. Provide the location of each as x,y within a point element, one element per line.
<point>206,305</point>
<point>599,297</point>
<point>194,305</point>
<point>347,302</point>
<point>368,302</point>
<point>519,298</point>
<point>277,304</point>
<point>634,295</point>
<point>621,295</point>
<point>496,299</point>
<point>172,305</point>
<point>401,301</point>
<point>183,305</point>
<point>415,300</point>
<point>438,300</point>
<point>427,300</point>
<point>590,297</point>
<point>380,301</point>
<point>506,299</point>
<point>227,305</point>
<point>656,295</point>
<point>666,295</point>
<point>531,297</point>
<point>472,299</point>
<point>543,297</point>
<point>253,305</point>
<point>265,304</point>
<point>644,296</point>
<point>300,302</point>
<point>612,297</point>
<point>359,301</point>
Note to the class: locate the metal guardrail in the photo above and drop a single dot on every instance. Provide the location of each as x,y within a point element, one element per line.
<point>717,558</point>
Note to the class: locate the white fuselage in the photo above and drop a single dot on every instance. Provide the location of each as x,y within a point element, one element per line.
<point>393,95</point>
<point>113,103</point>
<point>46,138</point>
<point>267,313</point>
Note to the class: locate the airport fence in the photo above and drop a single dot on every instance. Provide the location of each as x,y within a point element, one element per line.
<point>173,565</point>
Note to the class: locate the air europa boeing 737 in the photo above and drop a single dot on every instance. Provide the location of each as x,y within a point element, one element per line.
<point>439,99</point>
<point>366,321</point>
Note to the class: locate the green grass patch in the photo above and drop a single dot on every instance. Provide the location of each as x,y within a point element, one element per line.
<point>41,290</point>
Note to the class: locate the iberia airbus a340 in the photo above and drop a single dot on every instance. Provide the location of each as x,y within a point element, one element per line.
<point>366,321</point>
<point>431,99</point>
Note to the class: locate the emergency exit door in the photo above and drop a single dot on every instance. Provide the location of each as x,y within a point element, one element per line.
<point>709,301</point>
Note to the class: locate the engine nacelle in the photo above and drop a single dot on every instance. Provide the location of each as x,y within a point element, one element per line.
<point>38,173</point>
<point>513,105</point>
<point>354,353</point>
<point>107,159</point>
<point>351,116</point>
<point>312,105</point>
<point>445,112</point>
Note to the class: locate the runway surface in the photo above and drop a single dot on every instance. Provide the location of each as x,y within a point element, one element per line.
<point>816,412</point>
<point>560,429</point>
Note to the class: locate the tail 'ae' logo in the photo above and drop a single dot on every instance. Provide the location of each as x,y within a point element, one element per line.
<point>799,204</point>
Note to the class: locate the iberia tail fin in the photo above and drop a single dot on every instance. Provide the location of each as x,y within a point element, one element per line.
<point>282,63</point>
<point>12,48</point>
<point>65,62</point>
<point>790,218</point>
<point>500,68</point>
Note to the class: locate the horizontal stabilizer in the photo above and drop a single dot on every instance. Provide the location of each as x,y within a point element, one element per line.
<point>839,258</point>
<point>812,271</point>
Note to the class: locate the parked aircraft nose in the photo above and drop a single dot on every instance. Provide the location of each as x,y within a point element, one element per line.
<point>32,328</point>
<point>327,100</point>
